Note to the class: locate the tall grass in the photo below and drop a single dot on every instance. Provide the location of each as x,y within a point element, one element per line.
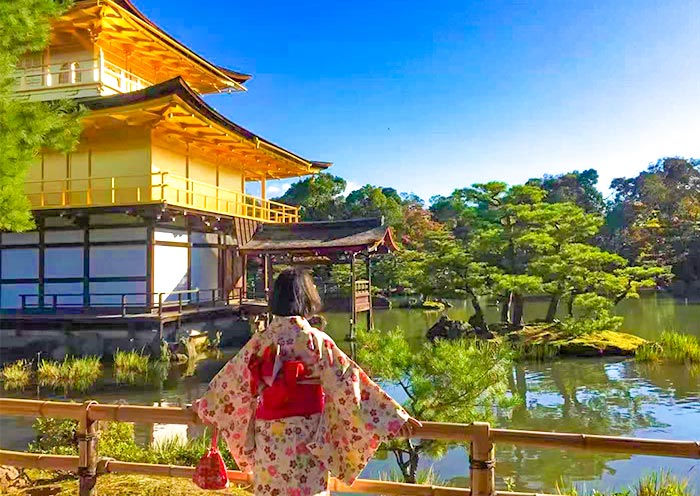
<point>672,347</point>
<point>16,375</point>
<point>130,367</point>
<point>661,483</point>
<point>135,367</point>
<point>72,374</point>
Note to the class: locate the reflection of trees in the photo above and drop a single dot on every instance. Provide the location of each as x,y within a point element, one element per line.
<point>672,380</point>
<point>567,396</point>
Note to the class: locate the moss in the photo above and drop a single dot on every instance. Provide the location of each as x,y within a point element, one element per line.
<point>434,306</point>
<point>599,343</point>
<point>125,485</point>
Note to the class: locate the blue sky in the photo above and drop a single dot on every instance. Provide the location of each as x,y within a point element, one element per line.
<point>430,96</point>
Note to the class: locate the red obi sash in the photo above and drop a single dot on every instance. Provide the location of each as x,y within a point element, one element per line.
<point>286,397</point>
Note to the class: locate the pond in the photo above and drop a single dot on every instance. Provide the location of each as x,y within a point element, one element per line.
<point>595,396</point>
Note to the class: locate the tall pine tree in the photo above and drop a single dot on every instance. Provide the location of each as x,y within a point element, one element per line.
<point>26,128</point>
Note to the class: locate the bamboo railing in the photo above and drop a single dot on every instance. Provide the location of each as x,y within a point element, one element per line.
<point>480,436</point>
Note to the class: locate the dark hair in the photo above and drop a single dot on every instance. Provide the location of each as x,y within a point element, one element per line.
<point>295,294</point>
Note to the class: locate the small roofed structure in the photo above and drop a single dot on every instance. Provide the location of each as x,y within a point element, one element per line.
<point>327,242</point>
<point>328,238</point>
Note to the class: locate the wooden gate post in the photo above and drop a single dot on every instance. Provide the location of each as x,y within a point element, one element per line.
<point>87,453</point>
<point>481,461</point>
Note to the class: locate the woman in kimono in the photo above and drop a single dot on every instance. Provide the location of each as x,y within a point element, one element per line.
<point>293,407</point>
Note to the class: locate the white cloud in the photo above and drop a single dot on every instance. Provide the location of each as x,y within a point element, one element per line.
<point>277,189</point>
<point>350,187</point>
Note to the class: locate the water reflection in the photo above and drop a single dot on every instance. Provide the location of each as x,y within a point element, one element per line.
<point>595,396</point>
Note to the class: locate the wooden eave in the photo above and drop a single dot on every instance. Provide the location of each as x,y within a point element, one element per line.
<point>320,239</point>
<point>119,23</point>
<point>173,110</point>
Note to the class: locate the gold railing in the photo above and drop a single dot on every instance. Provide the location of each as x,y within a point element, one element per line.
<point>156,187</point>
<point>480,435</point>
<point>76,73</point>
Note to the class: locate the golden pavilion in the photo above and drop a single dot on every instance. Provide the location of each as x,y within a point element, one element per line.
<point>152,204</point>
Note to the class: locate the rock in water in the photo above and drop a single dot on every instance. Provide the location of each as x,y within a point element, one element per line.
<point>446,328</point>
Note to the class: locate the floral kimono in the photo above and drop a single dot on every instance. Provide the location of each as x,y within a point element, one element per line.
<point>333,417</point>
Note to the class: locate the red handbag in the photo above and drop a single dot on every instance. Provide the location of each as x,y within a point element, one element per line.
<point>211,471</point>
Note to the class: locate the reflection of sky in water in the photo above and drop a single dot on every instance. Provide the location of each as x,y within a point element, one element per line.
<point>619,392</point>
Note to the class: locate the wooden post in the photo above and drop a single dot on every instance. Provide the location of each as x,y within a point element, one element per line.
<point>244,287</point>
<point>370,312</point>
<point>353,296</point>
<point>481,461</point>
<point>87,453</point>
<point>266,276</point>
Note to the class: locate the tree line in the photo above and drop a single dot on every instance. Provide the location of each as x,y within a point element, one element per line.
<point>555,236</point>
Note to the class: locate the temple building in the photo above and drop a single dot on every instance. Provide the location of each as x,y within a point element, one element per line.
<point>146,227</point>
<point>151,207</point>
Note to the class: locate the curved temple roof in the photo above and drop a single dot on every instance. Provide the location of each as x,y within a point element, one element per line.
<point>118,26</point>
<point>322,238</point>
<point>177,92</point>
<point>127,5</point>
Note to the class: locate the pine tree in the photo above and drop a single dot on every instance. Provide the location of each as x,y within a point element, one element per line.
<point>26,128</point>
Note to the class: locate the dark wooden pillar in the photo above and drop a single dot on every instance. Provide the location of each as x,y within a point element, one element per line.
<point>353,299</point>
<point>370,311</point>
<point>267,275</point>
<point>150,262</point>
<point>41,226</point>
<point>86,265</point>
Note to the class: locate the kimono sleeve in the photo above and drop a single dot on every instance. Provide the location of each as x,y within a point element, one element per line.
<point>229,406</point>
<point>357,418</point>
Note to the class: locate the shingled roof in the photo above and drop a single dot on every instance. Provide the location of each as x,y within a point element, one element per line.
<point>322,238</point>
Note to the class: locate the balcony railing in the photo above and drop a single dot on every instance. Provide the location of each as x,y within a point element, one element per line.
<point>153,188</point>
<point>78,73</point>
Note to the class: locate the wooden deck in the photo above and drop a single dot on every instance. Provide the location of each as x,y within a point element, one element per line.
<point>112,316</point>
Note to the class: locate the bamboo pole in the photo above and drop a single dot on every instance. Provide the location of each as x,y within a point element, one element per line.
<point>107,465</point>
<point>630,445</point>
<point>87,452</point>
<point>32,460</point>
<point>133,413</point>
<point>481,461</point>
<point>34,408</point>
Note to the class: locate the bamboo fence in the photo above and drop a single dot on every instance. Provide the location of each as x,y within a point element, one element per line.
<point>479,435</point>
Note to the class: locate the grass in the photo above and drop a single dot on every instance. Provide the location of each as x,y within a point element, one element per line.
<point>131,367</point>
<point>672,347</point>
<point>17,375</point>
<point>72,374</point>
<point>655,484</point>
<point>123,485</point>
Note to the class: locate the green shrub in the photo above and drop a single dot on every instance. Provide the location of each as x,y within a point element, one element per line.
<point>16,375</point>
<point>55,436</point>
<point>117,440</point>
<point>592,313</point>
